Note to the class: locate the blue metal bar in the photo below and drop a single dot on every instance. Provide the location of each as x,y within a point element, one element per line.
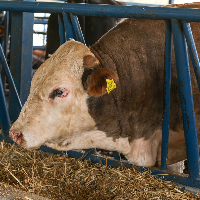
<point>116,163</point>
<point>77,29</point>
<point>4,116</point>
<point>41,18</point>
<point>21,58</point>
<point>87,154</point>
<point>186,97</point>
<point>61,30</point>
<point>44,30</point>
<point>116,155</point>
<point>39,32</point>
<point>15,57</point>
<point>171,1</point>
<point>39,47</point>
<point>26,55</point>
<point>143,4</point>
<point>40,21</point>
<point>69,31</point>
<point>140,12</point>
<point>192,50</point>
<point>10,79</point>
<point>15,60</point>
<point>166,100</point>
<point>6,33</point>
<point>45,148</point>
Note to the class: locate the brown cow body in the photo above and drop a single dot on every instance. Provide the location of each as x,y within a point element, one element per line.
<point>60,114</point>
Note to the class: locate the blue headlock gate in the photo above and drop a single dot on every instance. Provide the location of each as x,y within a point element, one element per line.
<point>177,23</point>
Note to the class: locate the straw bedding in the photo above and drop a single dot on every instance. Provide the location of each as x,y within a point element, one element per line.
<point>59,177</point>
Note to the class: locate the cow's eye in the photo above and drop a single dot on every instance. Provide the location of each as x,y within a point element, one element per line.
<point>56,93</point>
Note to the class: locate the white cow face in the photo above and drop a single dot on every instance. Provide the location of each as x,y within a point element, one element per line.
<point>56,108</point>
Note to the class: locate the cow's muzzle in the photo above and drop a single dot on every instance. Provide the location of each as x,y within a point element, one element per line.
<point>16,136</point>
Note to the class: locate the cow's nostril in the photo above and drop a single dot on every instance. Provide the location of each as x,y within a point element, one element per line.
<point>16,136</point>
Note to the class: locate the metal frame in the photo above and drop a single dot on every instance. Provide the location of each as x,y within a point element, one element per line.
<point>140,12</point>
<point>176,19</point>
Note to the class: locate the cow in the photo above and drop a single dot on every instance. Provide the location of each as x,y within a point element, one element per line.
<point>109,96</point>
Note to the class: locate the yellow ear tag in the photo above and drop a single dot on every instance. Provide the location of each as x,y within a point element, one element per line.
<point>110,85</point>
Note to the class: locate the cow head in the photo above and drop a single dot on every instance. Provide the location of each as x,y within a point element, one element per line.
<point>56,108</point>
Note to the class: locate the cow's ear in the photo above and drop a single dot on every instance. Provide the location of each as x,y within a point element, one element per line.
<point>97,81</point>
<point>90,61</point>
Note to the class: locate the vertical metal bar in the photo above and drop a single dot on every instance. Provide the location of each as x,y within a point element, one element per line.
<point>69,32</point>
<point>26,56</point>
<point>61,29</point>
<point>5,44</point>
<point>44,30</point>
<point>15,59</point>
<point>14,94</point>
<point>81,18</point>
<point>77,28</point>
<point>4,116</point>
<point>166,100</point>
<point>6,33</point>
<point>116,155</point>
<point>171,1</point>
<point>192,50</point>
<point>21,57</point>
<point>186,98</point>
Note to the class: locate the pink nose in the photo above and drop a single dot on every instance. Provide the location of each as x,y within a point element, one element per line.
<point>16,136</point>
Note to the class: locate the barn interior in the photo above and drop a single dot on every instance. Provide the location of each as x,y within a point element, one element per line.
<point>30,32</point>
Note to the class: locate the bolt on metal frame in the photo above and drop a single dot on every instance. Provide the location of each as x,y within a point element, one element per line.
<point>177,23</point>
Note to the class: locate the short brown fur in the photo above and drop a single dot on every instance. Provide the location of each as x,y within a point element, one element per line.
<point>135,50</point>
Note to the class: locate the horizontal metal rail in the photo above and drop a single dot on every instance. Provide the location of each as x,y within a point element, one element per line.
<point>140,12</point>
<point>39,47</point>
<point>108,161</point>
<point>40,21</point>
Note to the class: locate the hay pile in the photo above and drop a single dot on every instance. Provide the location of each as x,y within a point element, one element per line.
<point>60,177</point>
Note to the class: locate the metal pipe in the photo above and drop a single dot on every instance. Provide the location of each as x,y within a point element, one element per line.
<point>40,21</point>
<point>39,47</point>
<point>140,12</point>
<point>39,32</point>
<point>116,155</point>
<point>4,116</point>
<point>166,100</point>
<point>69,32</point>
<point>192,50</point>
<point>10,79</point>
<point>61,29</point>
<point>26,48</point>
<point>186,98</point>
<point>77,29</point>
<point>6,33</point>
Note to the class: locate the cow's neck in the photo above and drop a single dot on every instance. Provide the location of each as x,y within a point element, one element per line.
<point>140,151</point>
<point>92,139</point>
